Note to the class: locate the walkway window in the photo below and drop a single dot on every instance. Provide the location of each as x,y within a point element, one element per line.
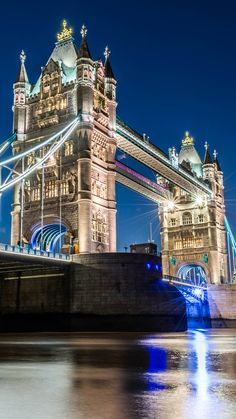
<point>187,218</point>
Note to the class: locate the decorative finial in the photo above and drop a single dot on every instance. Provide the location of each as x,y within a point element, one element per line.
<point>107,53</point>
<point>22,56</point>
<point>215,154</point>
<point>65,33</point>
<point>187,140</point>
<point>206,145</point>
<point>84,31</point>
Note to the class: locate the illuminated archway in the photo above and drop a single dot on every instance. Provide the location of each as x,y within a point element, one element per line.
<point>47,237</point>
<point>193,273</point>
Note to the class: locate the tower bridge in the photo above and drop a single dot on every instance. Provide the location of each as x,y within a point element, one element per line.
<point>64,169</point>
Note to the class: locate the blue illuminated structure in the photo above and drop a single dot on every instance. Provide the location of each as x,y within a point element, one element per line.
<point>47,237</point>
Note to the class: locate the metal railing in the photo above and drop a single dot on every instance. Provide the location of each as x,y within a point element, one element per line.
<point>19,250</point>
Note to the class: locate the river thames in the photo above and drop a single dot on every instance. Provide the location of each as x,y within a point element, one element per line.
<point>116,376</point>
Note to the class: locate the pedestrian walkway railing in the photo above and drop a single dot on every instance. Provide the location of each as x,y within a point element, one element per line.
<point>7,248</point>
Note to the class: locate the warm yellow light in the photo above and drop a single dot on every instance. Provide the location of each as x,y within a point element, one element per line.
<point>199,201</point>
<point>170,205</point>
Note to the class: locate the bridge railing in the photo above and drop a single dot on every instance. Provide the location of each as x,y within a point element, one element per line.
<point>7,248</point>
<point>182,281</point>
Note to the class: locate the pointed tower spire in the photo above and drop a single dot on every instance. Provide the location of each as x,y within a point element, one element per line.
<point>108,70</point>
<point>216,161</point>
<point>207,158</point>
<point>84,49</point>
<point>22,75</point>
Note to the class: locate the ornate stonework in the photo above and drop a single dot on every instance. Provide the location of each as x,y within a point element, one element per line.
<point>77,184</point>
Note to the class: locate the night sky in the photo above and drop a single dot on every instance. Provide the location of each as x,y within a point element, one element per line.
<point>175,64</point>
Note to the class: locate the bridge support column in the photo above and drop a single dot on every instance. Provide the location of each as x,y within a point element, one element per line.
<point>84,189</point>
<point>85,226</point>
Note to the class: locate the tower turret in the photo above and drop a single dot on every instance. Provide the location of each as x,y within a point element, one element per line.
<point>85,78</point>
<point>110,90</point>
<point>208,166</point>
<point>21,90</point>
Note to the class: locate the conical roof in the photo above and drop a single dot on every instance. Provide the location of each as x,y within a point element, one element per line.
<point>22,75</point>
<point>108,69</point>
<point>207,158</point>
<point>216,161</point>
<point>84,49</point>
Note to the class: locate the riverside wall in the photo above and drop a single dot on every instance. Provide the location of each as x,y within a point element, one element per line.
<point>111,291</point>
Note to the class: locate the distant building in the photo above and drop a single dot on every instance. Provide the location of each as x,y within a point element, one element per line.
<point>148,248</point>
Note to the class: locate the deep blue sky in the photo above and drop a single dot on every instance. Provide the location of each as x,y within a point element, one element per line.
<point>175,63</point>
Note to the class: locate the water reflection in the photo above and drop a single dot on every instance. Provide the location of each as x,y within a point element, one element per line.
<point>202,377</point>
<point>118,376</point>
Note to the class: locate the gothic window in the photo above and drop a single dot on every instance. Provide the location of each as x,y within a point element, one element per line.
<point>187,218</point>
<point>188,242</point>
<point>99,227</point>
<point>35,196</point>
<point>178,244</point>
<point>201,218</point>
<point>50,189</point>
<point>198,242</point>
<point>65,184</point>
<point>173,222</point>
<point>68,148</point>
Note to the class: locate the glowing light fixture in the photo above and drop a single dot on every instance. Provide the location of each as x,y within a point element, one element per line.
<point>170,205</point>
<point>198,292</point>
<point>199,201</point>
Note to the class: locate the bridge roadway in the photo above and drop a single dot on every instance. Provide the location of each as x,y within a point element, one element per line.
<point>147,153</point>
<point>20,263</point>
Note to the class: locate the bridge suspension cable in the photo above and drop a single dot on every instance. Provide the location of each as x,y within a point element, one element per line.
<point>14,176</point>
<point>7,143</point>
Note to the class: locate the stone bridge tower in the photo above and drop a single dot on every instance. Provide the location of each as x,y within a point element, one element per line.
<point>194,243</point>
<point>73,194</point>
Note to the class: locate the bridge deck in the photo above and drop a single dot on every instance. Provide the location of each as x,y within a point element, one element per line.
<point>148,154</point>
<point>139,183</point>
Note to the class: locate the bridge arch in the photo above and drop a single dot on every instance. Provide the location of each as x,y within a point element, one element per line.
<point>196,273</point>
<point>47,235</point>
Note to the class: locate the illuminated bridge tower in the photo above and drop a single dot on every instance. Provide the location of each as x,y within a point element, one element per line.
<point>73,193</point>
<point>194,244</point>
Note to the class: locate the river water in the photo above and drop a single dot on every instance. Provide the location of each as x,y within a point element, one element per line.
<point>118,376</point>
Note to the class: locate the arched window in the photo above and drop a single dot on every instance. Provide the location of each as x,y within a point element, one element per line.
<point>187,218</point>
